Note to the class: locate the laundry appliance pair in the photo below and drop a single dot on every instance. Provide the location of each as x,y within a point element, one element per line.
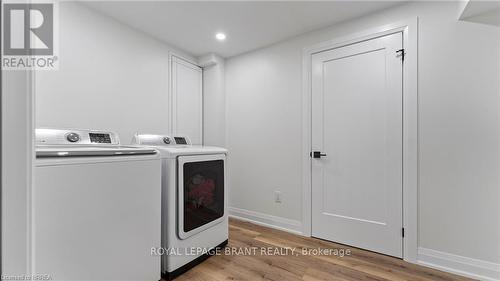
<point>101,209</point>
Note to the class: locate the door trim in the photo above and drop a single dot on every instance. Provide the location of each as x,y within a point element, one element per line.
<point>409,28</point>
<point>172,98</point>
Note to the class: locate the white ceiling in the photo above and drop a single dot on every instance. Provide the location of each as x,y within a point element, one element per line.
<point>487,12</point>
<point>191,26</point>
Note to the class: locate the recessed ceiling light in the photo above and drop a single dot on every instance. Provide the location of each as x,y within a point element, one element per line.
<point>220,36</point>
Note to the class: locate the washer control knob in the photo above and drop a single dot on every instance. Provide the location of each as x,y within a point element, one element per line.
<point>73,137</point>
<point>166,140</point>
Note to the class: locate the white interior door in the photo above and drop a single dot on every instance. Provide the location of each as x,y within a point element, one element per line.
<point>187,100</point>
<point>357,123</point>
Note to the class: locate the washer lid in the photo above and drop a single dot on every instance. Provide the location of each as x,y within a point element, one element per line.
<point>91,151</point>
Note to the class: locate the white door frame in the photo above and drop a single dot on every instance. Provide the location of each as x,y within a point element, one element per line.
<point>409,28</point>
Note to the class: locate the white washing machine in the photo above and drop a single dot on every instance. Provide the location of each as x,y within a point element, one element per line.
<point>96,207</point>
<point>194,210</point>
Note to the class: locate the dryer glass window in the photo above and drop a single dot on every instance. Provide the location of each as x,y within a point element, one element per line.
<point>203,193</point>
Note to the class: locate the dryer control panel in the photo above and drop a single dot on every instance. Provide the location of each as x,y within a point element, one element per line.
<point>160,140</point>
<point>49,136</point>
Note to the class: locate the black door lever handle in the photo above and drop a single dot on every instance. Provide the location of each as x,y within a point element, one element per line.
<point>317,154</point>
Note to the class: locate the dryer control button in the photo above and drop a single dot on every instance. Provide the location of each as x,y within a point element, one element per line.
<point>73,137</point>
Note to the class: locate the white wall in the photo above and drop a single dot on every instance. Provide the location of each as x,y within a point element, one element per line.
<point>110,77</point>
<point>263,129</point>
<point>16,170</point>
<point>459,127</point>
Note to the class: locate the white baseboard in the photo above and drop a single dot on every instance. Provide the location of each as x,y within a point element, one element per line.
<point>468,267</point>
<point>289,225</point>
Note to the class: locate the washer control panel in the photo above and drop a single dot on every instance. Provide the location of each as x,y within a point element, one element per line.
<point>74,137</point>
<point>160,140</point>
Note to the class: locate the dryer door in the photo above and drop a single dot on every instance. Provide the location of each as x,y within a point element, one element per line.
<point>201,191</point>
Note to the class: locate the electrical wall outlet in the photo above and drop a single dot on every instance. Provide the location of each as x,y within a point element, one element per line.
<point>277,196</point>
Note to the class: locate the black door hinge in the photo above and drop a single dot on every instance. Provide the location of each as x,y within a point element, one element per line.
<point>403,232</point>
<point>401,53</point>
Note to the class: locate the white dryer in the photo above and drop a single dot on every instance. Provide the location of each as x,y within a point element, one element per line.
<point>96,207</point>
<point>194,208</point>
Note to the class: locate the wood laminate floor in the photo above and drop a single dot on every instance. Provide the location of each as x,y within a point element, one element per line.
<point>288,266</point>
